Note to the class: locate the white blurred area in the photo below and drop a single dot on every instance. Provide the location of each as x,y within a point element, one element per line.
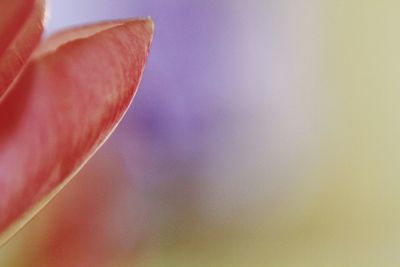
<point>265,157</point>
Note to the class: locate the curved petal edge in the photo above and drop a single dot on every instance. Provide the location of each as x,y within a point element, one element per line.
<point>64,105</point>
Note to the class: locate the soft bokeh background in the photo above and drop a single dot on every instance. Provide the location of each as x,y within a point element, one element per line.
<point>265,133</point>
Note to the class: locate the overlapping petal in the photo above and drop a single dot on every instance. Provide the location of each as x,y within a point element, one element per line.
<point>21,26</point>
<point>63,106</point>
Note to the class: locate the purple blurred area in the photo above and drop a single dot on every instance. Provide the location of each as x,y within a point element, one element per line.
<point>182,109</point>
<point>182,100</point>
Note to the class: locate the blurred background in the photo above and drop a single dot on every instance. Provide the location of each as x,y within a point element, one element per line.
<point>264,133</point>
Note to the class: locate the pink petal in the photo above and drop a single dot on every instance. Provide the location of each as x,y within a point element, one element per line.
<point>63,107</point>
<point>21,26</point>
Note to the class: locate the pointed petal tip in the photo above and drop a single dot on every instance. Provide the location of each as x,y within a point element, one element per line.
<point>150,24</point>
<point>56,121</point>
<point>72,34</point>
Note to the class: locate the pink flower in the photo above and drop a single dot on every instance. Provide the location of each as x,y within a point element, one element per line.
<point>58,102</point>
